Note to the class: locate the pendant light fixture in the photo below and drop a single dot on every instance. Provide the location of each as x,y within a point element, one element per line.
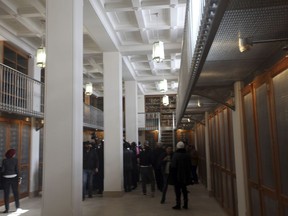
<point>158,51</point>
<point>165,100</point>
<point>163,85</point>
<point>41,52</point>
<point>158,47</point>
<point>89,89</point>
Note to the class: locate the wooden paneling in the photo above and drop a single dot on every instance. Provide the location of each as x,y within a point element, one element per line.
<point>265,103</point>
<point>17,134</point>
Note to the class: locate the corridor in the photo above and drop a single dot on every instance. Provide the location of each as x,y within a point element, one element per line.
<point>134,203</point>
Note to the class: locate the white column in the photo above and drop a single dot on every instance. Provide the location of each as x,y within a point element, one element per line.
<point>34,160</point>
<point>34,72</point>
<point>63,131</point>
<point>207,148</point>
<point>141,103</point>
<point>237,117</point>
<point>131,111</point>
<point>113,124</point>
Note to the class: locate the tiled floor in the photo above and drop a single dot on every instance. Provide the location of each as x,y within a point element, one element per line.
<point>136,204</point>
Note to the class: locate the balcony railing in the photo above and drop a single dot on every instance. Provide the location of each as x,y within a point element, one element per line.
<point>20,94</point>
<point>93,117</point>
<point>23,95</point>
<point>149,121</point>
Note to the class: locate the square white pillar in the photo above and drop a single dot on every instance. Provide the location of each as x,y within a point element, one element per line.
<point>131,112</point>
<point>63,131</point>
<point>113,124</point>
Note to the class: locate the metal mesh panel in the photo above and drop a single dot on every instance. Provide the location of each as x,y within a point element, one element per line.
<point>281,106</point>
<point>264,136</point>
<point>250,138</point>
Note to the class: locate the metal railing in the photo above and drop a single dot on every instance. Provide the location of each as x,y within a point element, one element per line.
<point>149,121</point>
<point>20,94</point>
<point>23,95</point>
<point>93,117</point>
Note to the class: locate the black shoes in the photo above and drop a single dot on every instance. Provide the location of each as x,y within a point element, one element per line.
<point>176,207</point>
<point>6,211</point>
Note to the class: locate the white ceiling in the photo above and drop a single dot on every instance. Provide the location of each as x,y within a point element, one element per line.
<point>131,27</point>
<point>127,26</point>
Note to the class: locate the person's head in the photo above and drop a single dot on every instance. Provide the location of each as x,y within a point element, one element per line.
<point>146,145</point>
<point>126,145</point>
<point>169,150</point>
<point>180,145</point>
<point>87,145</point>
<point>10,153</point>
<point>159,145</point>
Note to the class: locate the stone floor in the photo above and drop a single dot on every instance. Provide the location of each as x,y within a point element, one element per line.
<point>134,203</point>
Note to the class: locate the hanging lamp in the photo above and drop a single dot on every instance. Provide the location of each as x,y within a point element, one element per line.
<point>41,57</point>
<point>163,85</point>
<point>41,51</point>
<point>158,47</point>
<point>89,89</point>
<point>165,100</point>
<point>158,51</point>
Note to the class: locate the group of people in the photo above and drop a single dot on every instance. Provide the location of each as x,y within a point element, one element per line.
<point>161,167</point>
<point>158,166</point>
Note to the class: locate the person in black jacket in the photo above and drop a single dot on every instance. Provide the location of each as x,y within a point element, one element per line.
<point>10,178</point>
<point>127,166</point>
<point>180,171</point>
<point>135,169</point>
<point>90,167</point>
<point>156,153</point>
<point>146,169</point>
<point>99,176</point>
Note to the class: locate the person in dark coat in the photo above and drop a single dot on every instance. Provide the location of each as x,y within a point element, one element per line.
<point>181,174</point>
<point>99,177</point>
<point>90,167</point>
<point>135,169</point>
<point>156,153</point>
<point>127,166</point>
<point>11,178</point>
<point>146,169</point>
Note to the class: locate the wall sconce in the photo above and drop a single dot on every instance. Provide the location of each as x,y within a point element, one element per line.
<point>39,123</point>
<point>165,100</point>
<point>89,89</point>
<point>246,44</point>
<point>198,103</point>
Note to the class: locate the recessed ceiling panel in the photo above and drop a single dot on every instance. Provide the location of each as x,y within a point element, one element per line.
<point>130,38</point>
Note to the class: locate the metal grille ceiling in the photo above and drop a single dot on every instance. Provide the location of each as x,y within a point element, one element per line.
<point>130,27</point>
<point>225,64</point>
